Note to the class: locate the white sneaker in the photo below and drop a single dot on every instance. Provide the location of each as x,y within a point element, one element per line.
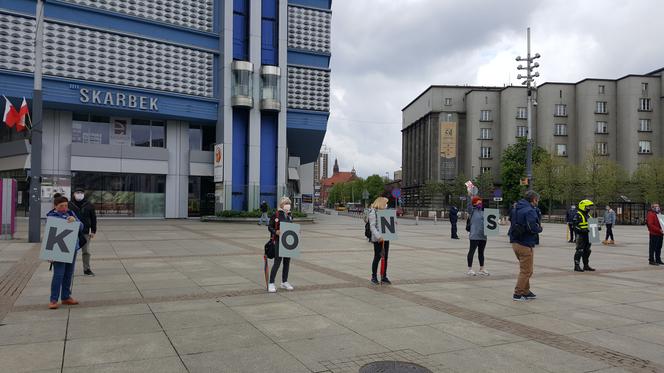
<point>483,272</point>
<point>287,286</point>
<point>271,288</point>
<point>471,273</point>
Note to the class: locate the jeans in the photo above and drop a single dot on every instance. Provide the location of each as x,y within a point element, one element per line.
<point>62,280</point>
<point>85,253</point>
<point>609,232</point>
<point>655,249</point>
<point>263,217</point>
<point>275,268</point>
<point>476,244</point>
<point>377,256</point>
<point>525,256</point>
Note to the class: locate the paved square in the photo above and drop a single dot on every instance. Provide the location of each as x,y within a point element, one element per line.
<point>186,296</point>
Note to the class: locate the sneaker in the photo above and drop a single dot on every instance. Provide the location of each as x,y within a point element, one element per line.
<point>386,281</point>
<point>530,295</point>
<point>287,286</point>
<point>519,298</point>
<point>483,272</point>
<point>653,263</point>
<point>471,273</point>
<point>271,288</point>
<point>88,272</point>
<point>588,269</point>
<point>53,306</point>
<point>374,281</point>
<point>659,263</point>
<point>70,301</point>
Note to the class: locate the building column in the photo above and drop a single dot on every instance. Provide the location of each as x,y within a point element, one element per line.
<point>224,132</point>
<point>282,151</point>
<point>253,189</point>
<point>177,180</point>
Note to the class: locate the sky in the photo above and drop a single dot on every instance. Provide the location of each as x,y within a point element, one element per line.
<point>386,52</point>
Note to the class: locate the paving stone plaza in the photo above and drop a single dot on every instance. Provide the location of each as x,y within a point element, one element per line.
<point>186,296</point>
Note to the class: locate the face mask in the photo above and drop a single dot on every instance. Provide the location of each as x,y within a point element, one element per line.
<point>479,206</point>
<point>79,196</point>
<point>287,208</point>
<point>657,210</point>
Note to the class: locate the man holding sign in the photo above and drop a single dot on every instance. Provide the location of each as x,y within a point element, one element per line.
<point>383,225</point>
<point>59,246</point>
<point>286,238</point>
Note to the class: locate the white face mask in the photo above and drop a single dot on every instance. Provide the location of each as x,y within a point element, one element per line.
<point>287,208</point>
<point>79,196</point>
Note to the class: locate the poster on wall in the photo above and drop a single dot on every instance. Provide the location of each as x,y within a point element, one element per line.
<point>51,185</point>
<point>120,134</point>
<point>218,163</point>
<point>447,144</point>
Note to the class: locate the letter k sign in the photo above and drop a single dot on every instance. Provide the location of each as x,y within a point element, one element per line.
<point>57,239</point>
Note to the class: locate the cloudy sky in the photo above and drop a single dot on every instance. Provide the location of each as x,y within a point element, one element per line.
<point>386,52</point>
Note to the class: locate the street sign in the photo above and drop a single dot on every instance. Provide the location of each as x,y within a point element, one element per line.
<point>289,240</point>
<point>387,224</point>
<point>593,230</point>
<point>463,198</point>
<point>59,243</point>
<point>497,199</point>
<point>396,193</point>
<point>491,217</point>
<point>498,193</point>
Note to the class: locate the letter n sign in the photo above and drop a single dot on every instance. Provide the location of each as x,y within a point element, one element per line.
<point>289,241</point>
<point>387,223</point>
<point>491,218</point>
<point>60,239</point>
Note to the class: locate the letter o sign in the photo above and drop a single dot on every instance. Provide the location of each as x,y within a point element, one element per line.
<point>289,240</point>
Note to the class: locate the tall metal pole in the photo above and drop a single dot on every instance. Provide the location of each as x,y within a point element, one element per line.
<point>34,223</point>
<point>529,148</point>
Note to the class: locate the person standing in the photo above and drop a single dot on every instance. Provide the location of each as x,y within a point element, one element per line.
<point>63,272</point>
<point>656,235</point>
<point>283,214</point>
<point>523,231</point>
<point>609,221</point>
<point>571,213</point>
<point>381,247</point>
<point>85,211</point>
<point>477,237</point>
<point>582,240</point>
<point>454,217</point>
<point>264,209</point>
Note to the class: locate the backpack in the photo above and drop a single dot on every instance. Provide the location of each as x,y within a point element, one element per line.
<point>367,228</point>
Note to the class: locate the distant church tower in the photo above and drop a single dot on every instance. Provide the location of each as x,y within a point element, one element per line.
<point>335,170</point>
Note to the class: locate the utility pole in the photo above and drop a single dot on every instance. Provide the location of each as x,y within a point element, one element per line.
<point>34,221</point>
<point>529,82</point>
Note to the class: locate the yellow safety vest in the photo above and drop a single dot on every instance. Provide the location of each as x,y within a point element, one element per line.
<point>584,222</point>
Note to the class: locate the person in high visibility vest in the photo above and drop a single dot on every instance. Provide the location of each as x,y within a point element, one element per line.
<point>583,244</point>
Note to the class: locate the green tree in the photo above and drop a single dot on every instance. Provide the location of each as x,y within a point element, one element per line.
<point>513,168</point>
<point>647,181</point>
<point>550,180</point>
<point>457,188</point>
<point>573,183</point>
<point>484,184</point>
<point>603,178</point>
<point>375,186</point>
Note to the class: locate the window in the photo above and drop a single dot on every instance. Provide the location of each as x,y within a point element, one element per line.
<point>270,32</point>
<point>561,110</point>
<point>485,170</point>
<point>644,125</point>
<point>90,129</point>
<point>601,148</point>
<point>449,117</point>
<point>10,134</point>
<point>485,115</point>
<point>486,134</point>
<point>521,131</point>
<point>600,107</point>
<point>448,101</point>
<point>602,127</point>
<point>644,104</point>
<point>644,147</point>
<point>600,89</point>
<point>146,133</point>
<point>201,137</point>
<point>644,88</point>
<point>521,113</point>
<point>561,150</point>
<point>241,30</point>
<point>485,152</point>
<point>560,130</point>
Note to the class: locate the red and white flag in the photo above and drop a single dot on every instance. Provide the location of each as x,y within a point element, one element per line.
<point>22,113</point>
<point>10,115</point>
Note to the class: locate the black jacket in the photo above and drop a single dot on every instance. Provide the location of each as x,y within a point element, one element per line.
<point>571,213</point>
<point>273,226</point>
<point>264,207</point>
<point>86,213</point>
<point>454,214</point>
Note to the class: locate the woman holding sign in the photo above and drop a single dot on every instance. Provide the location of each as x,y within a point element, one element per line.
<point>62,272</point>
<point>381,247</point>
<point>282,214</point>
<point>477,237</point>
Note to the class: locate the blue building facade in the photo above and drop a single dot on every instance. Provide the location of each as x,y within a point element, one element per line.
<point>174,108</point>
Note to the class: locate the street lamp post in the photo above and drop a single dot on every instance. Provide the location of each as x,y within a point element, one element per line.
<point>529,82</point>
<point>34,220</point>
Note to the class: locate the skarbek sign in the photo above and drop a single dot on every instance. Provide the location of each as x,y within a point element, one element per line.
<point>118,99</point>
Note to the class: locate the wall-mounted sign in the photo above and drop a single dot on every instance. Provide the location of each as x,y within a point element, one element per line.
<point>448,139</point>
<point>120,131</point>
<point>118,99</point>
<point>218,163</point>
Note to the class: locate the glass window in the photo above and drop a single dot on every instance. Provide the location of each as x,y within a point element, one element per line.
<point>644,88</point>
<point>209,138</point>
<point>90,132</point>
<point>601,148</point>
<point>270,87</point>
<point>561,110</point>
<point>644,147</point>
<point>522,113</point>
<point>195,137</point>
<point>485,152</point>
<point>521,131</point>
<point>158,132</point>
<point>644,125</point>
<point>600,89</point>
<point>560,130</point>
<point>600,107</point>
<point>448,101</point>
<point>602,127</point>
<point>81,117</point>
<point>10,134</point>
<point>486,134</point>
<point>644,104</point>
<point>146,133</point>
<point>242,83</point>
<point>485,170</point>
<point>561,150</point>
<point>140,134</point>
<point>485,115</point>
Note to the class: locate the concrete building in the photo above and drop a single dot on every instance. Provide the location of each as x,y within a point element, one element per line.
<point>139,98</point>
<point>321,171</point>
<point>449,130</point>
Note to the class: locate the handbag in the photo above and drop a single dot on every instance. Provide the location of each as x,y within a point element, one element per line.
<point>270,249</point>
<point>468,222</point>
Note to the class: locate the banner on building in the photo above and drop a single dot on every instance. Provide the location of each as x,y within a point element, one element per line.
<point>448,139</point>
<point>387,224</point>
<point>60,240</point>
<point>491,218</point>
<point>218,163</point>
<point>120,134</point>
<point>289,240</point>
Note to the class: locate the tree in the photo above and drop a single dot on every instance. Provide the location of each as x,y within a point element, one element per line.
<point>603,178</point>
<point>550,180</point>
<point>484,184</point>
<point>513,168</point>
<point>647,181</point>
<point>458,189</point>
<point>375,186</point>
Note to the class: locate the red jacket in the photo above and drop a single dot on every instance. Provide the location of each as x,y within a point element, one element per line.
<point>653,224</point>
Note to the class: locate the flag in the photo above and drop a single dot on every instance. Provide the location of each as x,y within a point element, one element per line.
<point>10,116</point>
<point>22,113</point>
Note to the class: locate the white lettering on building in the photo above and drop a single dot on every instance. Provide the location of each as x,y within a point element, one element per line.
<point>118,99</point>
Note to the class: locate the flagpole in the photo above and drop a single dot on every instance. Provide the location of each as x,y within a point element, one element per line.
<point>34,222</point>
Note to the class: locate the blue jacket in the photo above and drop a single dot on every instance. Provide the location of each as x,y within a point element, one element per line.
<point>526,215</point>
<point>454,214</point>
<point>571,213</point>
<point>65,216</point>
<point>477,225</point>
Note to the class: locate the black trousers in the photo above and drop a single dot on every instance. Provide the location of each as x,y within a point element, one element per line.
<point>454,230</point>
<point>571,232</point>
<point>582,249</point>
<point>476,244</point>
<point>275,268</point>
<point>609,232</point>
<point>655,249</point>
<point>377,256</point>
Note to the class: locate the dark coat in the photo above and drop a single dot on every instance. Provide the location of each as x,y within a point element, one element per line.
<point>273,226</point>
<point>85,211</point>
<point>571,213</point>
<point>526,215</point>
<point>454,214</point>
<point>264,207</point>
